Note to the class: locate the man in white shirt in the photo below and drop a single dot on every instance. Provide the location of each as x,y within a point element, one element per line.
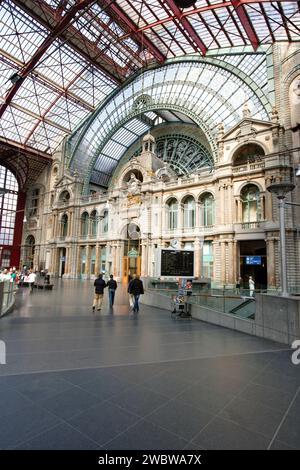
<point>251,286</point>
<point>31,279</point>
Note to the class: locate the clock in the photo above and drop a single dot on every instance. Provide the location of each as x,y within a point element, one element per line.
<point>174,243</point>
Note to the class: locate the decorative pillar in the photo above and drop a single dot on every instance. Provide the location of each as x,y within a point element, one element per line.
<point>78,264</point>
<point>232,263</point>
<point>144,259</point>
<point>98,259</point>
<point>88,260</point>
<point>271,263</point>
<point>223,262</point>
<point>198,257</point>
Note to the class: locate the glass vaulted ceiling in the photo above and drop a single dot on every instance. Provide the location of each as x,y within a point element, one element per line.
<point>207,92</point>
<point>59,59</point>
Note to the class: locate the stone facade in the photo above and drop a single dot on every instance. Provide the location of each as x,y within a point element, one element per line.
<point>78,235</point>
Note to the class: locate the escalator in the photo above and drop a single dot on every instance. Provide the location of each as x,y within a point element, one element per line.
<point>246,309</point>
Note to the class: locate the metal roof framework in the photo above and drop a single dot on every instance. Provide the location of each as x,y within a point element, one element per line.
<point>60,59</point>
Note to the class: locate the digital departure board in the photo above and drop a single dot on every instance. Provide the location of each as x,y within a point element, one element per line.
<point>179,263</point>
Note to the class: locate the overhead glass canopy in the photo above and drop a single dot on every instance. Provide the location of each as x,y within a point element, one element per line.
<point>59,59</point>
<point>206,92</point>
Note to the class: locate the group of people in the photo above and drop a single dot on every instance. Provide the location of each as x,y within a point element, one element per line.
<point>135,289</point>
<point>21,277</point>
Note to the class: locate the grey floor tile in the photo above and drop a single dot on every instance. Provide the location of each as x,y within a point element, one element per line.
<point>17,427</point>
<point>289,432</point>
<point>224,435</point>
<point>62,437</point>
<point>277,445</point>
<point>103,422</point>
<point>180,418</point>
<point>206,399</point>
<point>253,416</point>
<point>219,380</point>
<point>146,436</point>
<point>138,374</point>
<point>11,401</point>
<point>38,387</point>
<point>167,384</point>
<point>67,404</point>
<point>139,400</point>
<point>82,376</point>
<point>278,381</point>
<point>269,396</point>
<point>105,388</point>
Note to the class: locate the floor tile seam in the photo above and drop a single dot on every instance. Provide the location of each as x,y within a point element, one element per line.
<point>165,361</point>
<point>218,415</point>
<point>284,418</point>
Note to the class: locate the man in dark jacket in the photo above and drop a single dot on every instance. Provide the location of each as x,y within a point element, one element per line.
<point>100,285</point>
<point>136,288</point>
<point>112,287</point>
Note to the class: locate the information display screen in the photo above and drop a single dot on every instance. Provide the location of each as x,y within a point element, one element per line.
<point>179,263</point>
<point>256,260</point>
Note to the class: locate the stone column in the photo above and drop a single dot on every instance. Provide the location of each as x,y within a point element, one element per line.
<point>78,263</point>
<point>118,259</point>
<point>144,258</point>
<point>232,264</point>
<point>98,259</point>
<point>223,262</point>
<point>88,260</point>
<point>271,263</point>
<point>221,212</point>
<point>198,257</point>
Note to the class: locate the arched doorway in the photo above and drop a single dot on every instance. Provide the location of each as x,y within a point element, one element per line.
<point>132,252</point>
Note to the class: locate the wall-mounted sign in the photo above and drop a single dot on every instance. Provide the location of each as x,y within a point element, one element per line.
<point>132,253</point>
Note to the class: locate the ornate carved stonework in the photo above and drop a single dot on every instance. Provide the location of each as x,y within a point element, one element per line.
<point>133,200</point>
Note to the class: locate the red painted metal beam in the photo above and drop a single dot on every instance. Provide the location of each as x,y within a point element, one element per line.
<point>187,26</point>
<point>241,12</point>
<point>59,28</point>
<point>142,40</point>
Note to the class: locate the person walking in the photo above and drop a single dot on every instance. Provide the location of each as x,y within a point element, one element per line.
<point>112,287</point>
<point>136,289</point>
<point>251,286</point>
<point>100,285</point>
<point>31,279</point>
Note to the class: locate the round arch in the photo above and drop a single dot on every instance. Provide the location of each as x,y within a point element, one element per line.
<point>206,108</point>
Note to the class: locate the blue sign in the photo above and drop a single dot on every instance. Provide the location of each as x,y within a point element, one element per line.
<point>256,260</point>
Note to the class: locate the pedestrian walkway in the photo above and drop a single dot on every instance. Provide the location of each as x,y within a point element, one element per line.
<point>117,380</point>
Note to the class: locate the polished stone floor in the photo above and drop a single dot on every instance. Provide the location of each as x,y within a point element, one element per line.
<point>115,380</point>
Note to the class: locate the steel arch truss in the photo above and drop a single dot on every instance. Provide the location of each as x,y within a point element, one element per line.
<point>208,91</point>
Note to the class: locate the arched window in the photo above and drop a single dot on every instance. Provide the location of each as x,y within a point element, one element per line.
<point>251,210</point>
<point>105,222</point>
<point>189,212</point>
<point>172,214</point>
<point>84,230</point>
<point>64,197</point>
<point>94,223</point>
<point>248,153</point>
<point>207,209</point>
<point>8,204</point>
<point>64,225</point>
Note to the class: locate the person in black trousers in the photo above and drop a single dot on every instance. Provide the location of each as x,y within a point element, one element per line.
<point>136,288</point>
<point>100,285</point>
<point>112,287</point>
